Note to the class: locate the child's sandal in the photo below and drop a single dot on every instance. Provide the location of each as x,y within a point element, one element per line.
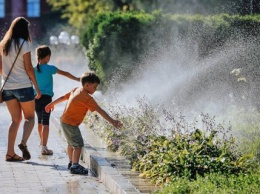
<point>47,152</point>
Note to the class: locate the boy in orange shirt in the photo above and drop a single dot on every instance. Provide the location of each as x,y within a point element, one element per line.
<point>79,102</point>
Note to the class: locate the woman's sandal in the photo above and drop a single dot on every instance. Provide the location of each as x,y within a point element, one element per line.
<point>26,153</point>
<point>14,158</point>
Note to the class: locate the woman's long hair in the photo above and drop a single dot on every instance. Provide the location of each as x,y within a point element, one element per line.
<point>18,29</point>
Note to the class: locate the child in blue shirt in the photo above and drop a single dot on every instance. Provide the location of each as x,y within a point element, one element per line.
<point>44,72</point>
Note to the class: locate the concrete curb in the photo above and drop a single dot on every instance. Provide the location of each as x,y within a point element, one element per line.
<point>110,177</point>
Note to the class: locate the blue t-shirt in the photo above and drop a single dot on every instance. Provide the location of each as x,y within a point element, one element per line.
<point>44,78</point>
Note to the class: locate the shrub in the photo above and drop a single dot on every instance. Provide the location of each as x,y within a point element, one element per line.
<point>122,40</point>
<point>114,40</point>
<point>163,148</point>
<point>246,130</point>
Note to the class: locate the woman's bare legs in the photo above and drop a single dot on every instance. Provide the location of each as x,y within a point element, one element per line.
<point>28,112</point>
<point>15,111</point>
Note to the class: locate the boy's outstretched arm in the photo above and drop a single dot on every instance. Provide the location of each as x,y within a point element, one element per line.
<point>104,114</point>
<point>50,106</point>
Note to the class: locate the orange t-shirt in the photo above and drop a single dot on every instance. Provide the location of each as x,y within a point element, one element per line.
<point>79,102</point>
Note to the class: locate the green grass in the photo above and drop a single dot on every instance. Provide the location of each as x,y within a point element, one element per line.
<point>215,184</point>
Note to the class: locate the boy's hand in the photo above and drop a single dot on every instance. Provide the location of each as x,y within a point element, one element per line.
<point>117,124</point>
<point>49,108</point>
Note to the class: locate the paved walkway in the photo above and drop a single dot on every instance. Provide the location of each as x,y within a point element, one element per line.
<point>41,174</point>
<point>112,169</point>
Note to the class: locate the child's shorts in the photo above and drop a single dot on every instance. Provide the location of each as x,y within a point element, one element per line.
<point>72,135</point>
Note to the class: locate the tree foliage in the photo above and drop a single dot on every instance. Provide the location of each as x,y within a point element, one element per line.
<point>80,12</point>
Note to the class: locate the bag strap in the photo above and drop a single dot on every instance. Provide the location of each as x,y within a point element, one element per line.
<point>12,66</point>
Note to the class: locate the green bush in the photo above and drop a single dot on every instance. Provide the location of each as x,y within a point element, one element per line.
<point>166,148</point>
<point>246,130</point>
<point>113,41</point>
<point>121,40</point>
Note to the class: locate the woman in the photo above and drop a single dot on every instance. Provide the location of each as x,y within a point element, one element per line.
<point>18,91</point>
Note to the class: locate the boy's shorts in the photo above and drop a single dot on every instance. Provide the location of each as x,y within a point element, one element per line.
<point>72,135</point>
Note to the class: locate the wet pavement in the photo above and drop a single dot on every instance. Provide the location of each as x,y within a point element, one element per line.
<point>42,174</point>
<point>111,168</point>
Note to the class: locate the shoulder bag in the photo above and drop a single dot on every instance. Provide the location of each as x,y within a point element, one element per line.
<point>2,88</point>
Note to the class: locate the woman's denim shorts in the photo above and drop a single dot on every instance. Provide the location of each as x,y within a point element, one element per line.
<point>22,95</point>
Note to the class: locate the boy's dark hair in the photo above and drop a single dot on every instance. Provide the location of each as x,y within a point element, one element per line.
<point>89,77</point>
<point>41,52</point>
